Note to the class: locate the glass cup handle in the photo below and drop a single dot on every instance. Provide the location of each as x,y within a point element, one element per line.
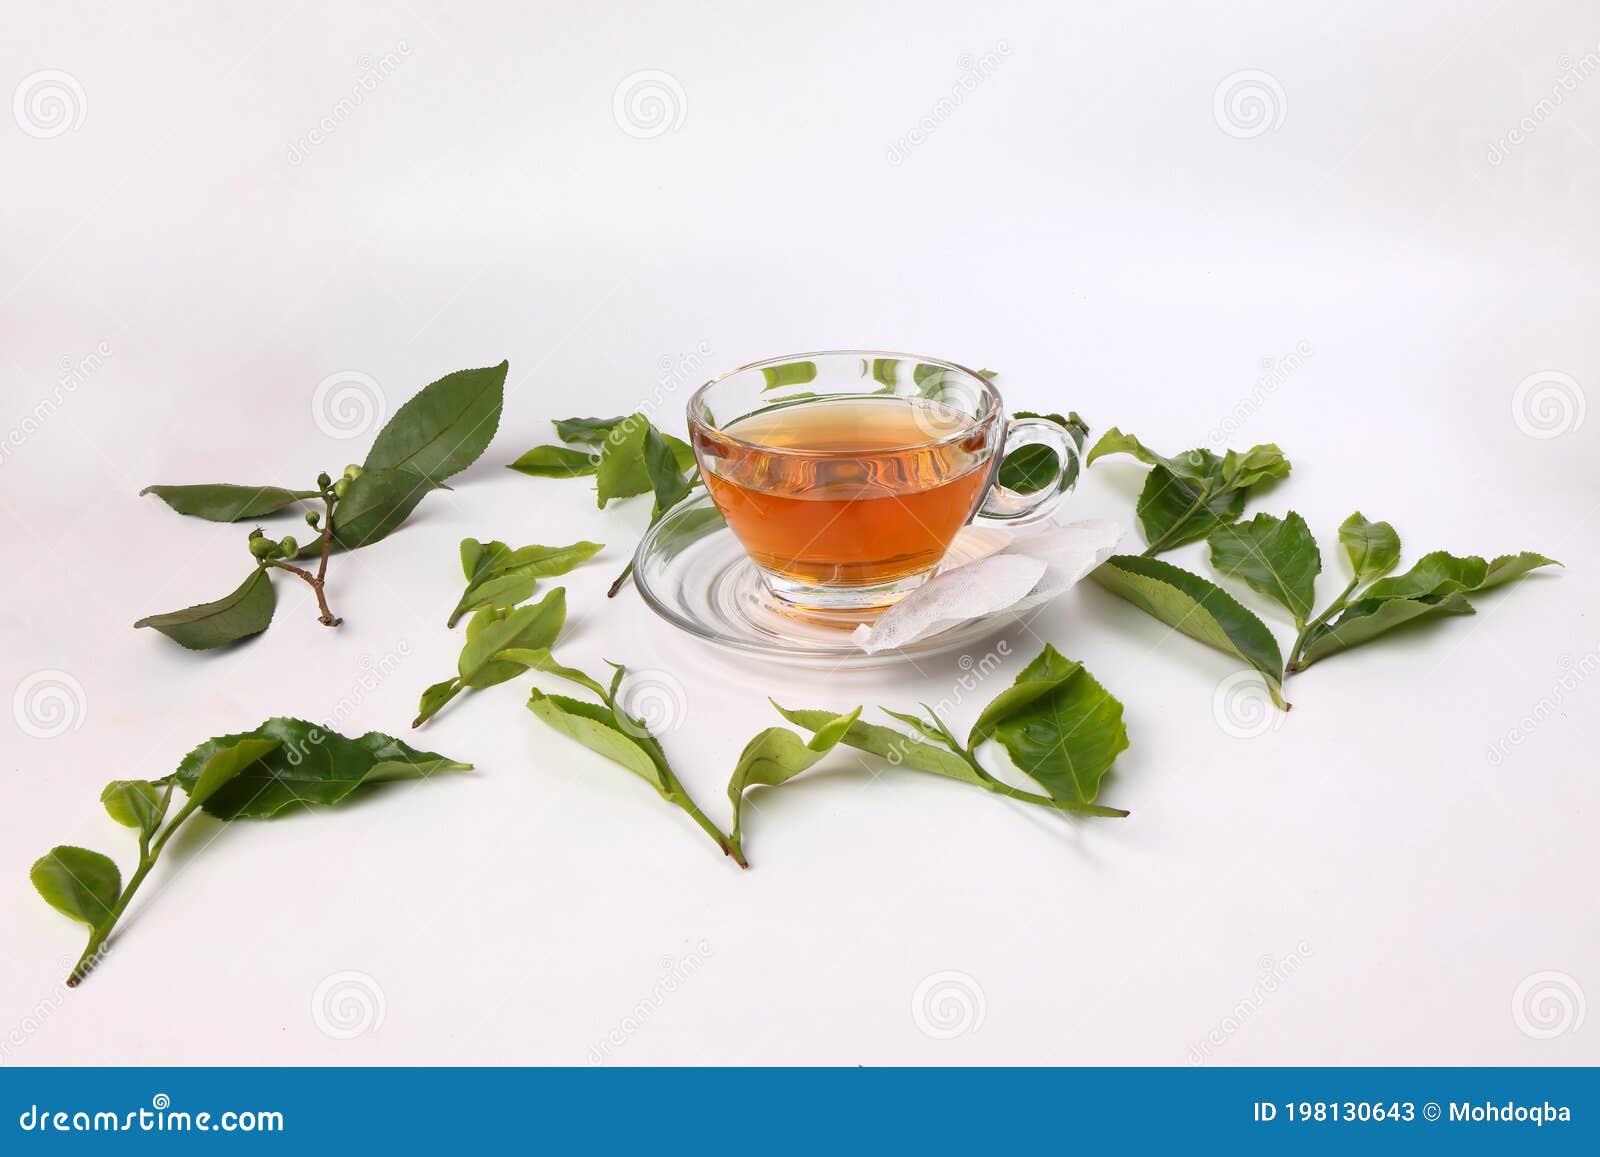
<point>1003,504</point>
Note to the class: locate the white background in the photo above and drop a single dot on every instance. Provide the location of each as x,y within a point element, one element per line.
<point>1087,220</point>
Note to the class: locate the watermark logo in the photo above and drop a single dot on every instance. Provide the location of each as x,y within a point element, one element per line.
<point>1548,1004</point>
<point>649,103</point>
<point>347,404</point>
<point>1572,73</point>
<point>1272,973</point>
<point>1548,404</point>
<point>1242,706</point>
<point>948,1004</point>
<point>49,103</point>
<point>348,1004</point>
<point>675,973</point>
<point>48,704</point>
<point>947,405</point>
<point>652,702</point>
<point>1249,103</point>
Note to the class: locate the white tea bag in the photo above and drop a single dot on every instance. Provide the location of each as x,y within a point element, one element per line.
<point>1020,571</point>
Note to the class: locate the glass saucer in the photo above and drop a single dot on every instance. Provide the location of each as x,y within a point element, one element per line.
<point>692,572</point>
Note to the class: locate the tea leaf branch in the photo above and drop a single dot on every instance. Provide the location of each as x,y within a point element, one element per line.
<point>1436,586</point>
<point>489,632</point>
<point>633,458</point>
<point>1198,494</point>
<point>499,578</point>
<point>608,729</point>
<point>439,432</point>
<point>1056,722</point>
<point>256,774</point>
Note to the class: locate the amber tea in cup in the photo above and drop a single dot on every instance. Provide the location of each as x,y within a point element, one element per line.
<point>846,476</point>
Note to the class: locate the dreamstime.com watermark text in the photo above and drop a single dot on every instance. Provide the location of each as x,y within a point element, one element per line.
<point>73,374</point>
<point>1274,973</point>
<point>970,73</point>
<point>159,1117</point>
<point>675,973</point>
<point>1574,673</point>
<point>372,73</point>
<point>1572,73</point>
<point>1274,373</point>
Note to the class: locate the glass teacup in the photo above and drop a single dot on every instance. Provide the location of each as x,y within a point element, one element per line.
<point>846,475</point>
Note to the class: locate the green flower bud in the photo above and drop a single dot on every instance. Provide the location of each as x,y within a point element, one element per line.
<point>352,472</point>
<point>262,547</point>
<point>341,487</point>
<point>288,547</point>
<point>312,518</point>
<point>323,480</point>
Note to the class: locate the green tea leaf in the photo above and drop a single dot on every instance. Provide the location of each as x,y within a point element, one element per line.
<point>1075,426</point>
<point>551,561</point>
<point>444,427</point>
<point>1064,729</point>
<point>1038,680</point>
<point>1034,467</point>
<point>499,577</point>
<point>224,761</point>
<point>297,762</point>
<point>375,505</point>
<point>500,593</point>
<point>134,803</point>
<point>556,462</point>
<point>482,560</point>
<point>898,748</point>
<point>1373,547</point>
<point>1173,510</point>
<point>490,631</point>
<point>1513,566</point>
<point>666,476</point>
<point>1198,608</point>
<point>777,755</point>
<point>920,725</point>
<point>596,728</point>
<point>1276,557</point>
<point>630,464</point>
<point>435,697</point>
<point>1194,465</point>
<point>78,883</point>
<point>540,659</point>
<point>225,501</point>
<point>1437,573</point>
<point>1029,469</point>
<point>622,472</point>
<point>1262,463</point>
<point>586,431</point>
<point>1188,496</point>
<point>593,431</point>
<point>246,611</point>
<point>607,729</point>
<point>1435,587</point>
<point>1366,619</point>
